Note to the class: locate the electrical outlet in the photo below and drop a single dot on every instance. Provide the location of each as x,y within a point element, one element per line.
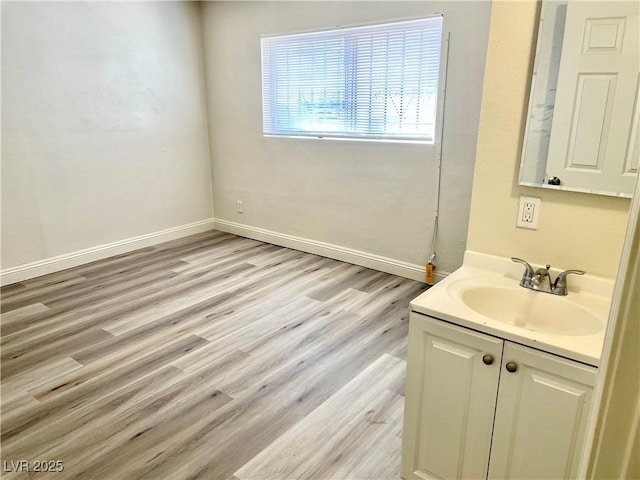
<point>239,206</point>
<point>528,212</point>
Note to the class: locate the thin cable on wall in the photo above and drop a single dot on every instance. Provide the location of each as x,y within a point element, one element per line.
<point>430,266</point>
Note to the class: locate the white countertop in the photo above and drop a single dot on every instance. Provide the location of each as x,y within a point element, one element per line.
<point>590,292</point>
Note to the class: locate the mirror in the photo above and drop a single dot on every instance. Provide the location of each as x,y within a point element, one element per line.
<point>582,124</point>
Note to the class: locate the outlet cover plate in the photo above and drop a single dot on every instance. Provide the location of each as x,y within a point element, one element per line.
<point>528,212</point>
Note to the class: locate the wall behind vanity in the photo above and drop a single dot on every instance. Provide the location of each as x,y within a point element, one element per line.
<point>575,230</point>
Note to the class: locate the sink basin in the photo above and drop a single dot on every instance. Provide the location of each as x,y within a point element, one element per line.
<point>535,311</point>
<point>484,295</point>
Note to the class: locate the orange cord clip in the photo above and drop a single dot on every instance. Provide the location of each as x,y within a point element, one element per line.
<point>430,267</point>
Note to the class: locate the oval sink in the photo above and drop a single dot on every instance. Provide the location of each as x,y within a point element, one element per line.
<point>536,311</point>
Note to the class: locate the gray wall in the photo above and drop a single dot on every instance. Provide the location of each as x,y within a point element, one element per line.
<point>104,131</point>
<point>373,197</point>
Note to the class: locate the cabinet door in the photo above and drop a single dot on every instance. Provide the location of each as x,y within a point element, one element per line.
<point>450,400</point>
<point>541,415</point>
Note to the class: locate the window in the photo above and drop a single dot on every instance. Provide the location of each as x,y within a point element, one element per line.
<point>372,82</point>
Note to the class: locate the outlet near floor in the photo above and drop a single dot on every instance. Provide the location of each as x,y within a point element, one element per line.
<point>239,206</point>
<point>528,212</point>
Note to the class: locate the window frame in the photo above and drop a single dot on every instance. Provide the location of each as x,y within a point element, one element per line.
<point>368,137</point>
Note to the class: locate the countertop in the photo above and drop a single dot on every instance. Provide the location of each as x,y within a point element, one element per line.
<point>593,293</point>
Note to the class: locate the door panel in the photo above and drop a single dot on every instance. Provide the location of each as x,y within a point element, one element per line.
<point>593,120</point>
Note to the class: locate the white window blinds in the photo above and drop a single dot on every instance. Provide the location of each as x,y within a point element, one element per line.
<point>376,81</point>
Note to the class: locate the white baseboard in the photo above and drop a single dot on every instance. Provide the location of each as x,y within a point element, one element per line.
<point>73,259</point>
<point>357,257</point>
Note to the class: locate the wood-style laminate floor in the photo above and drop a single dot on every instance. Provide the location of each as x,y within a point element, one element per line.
<point>210,357</point>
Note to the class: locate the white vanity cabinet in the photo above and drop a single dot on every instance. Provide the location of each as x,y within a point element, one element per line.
<point>478,406</point>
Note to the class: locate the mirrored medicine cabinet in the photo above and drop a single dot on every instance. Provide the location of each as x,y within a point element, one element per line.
<point>584,112</point>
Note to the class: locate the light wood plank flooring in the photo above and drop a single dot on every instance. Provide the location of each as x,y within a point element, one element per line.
<point>212,357</point>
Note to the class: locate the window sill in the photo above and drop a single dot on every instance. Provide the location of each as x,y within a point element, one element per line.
<point>351,139</point>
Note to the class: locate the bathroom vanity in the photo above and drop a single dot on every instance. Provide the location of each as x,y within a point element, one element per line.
<point>500,377</point>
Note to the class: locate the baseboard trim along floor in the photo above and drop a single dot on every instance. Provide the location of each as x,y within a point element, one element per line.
<point>337,252</point>
<point>357,257</point>
<point>69,260</point>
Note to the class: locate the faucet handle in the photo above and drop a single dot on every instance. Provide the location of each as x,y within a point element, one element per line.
<point>528,269</point>
<point>528,272</point>
<point>560,285</point>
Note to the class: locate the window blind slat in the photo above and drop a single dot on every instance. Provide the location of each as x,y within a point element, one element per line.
<point>377,81</point>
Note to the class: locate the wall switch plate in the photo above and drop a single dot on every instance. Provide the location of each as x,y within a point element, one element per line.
<point>528,212</point>
<point>239,206</point>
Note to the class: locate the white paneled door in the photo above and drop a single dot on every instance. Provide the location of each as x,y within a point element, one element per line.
<point>594,137</point>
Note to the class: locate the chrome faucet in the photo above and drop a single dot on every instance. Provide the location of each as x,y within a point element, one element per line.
<point>540,280</point>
